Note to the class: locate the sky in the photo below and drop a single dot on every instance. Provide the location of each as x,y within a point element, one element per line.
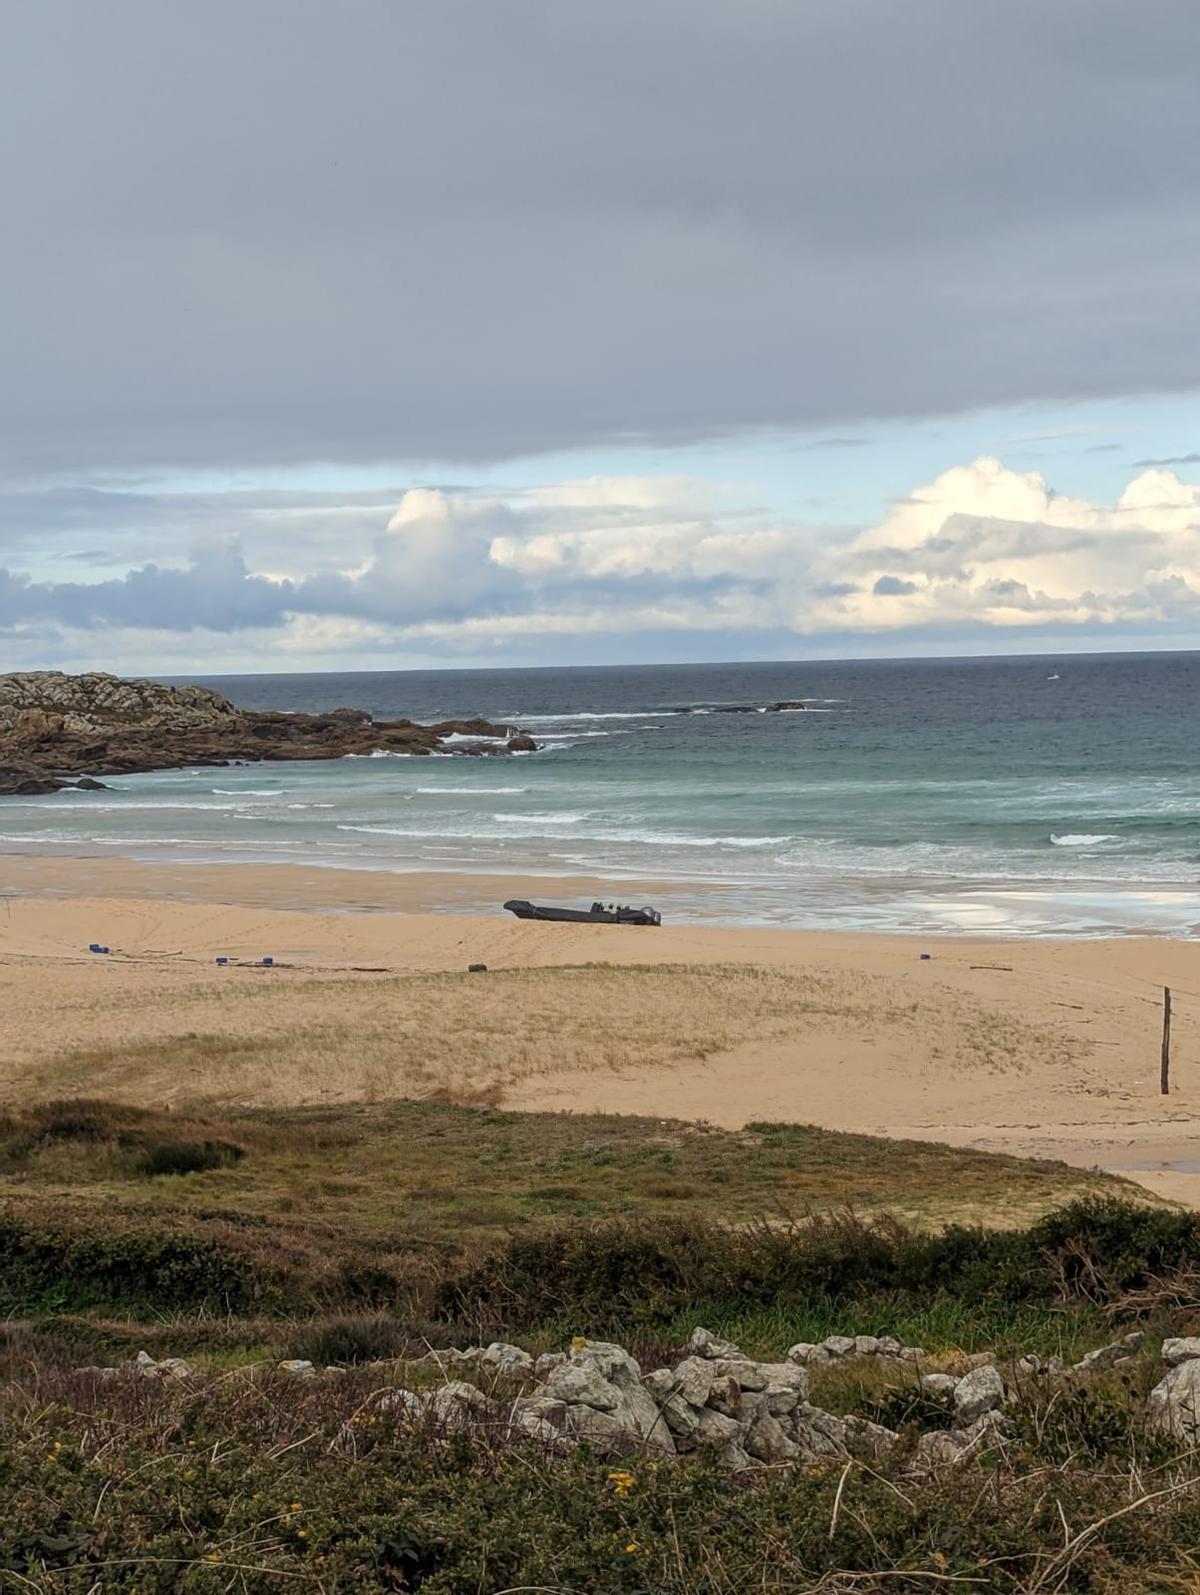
<point>473,332</point>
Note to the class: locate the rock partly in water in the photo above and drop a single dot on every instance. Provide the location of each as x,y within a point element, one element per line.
<point>58,730</point>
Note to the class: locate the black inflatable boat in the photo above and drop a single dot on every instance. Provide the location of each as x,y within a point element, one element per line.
<point>597,914</point>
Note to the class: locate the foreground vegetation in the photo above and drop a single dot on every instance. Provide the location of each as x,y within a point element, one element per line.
<point>294,1213</point>
<point>269,1484</point>
<point>355,1234</point>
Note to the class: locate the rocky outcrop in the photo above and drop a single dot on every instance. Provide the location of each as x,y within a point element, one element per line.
<point>58,730</point>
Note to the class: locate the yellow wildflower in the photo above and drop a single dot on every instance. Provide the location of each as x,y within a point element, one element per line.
<point>622,1481</point>
<point>632,1547</point>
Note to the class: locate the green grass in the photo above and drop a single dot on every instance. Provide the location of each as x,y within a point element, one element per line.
<point>438,1171</point>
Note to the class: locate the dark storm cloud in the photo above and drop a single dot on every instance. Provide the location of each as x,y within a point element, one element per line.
<point>280,230</point>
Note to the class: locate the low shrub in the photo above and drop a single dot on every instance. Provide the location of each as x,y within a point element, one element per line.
<point>82,1119</point>
<point>640,1272</point>
<point>132,1487</point>
<point>352,1339</point>
<point>66,1266</point>
<point>187,1157</point>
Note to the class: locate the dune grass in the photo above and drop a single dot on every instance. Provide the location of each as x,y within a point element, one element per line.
<point>295,1037</point>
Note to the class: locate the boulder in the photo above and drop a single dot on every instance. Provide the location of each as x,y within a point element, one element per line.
<point>978,1392</point>
<point>1183,1348</point>
<point>1105,1357</point>
<point>603,1431</point>
<point>938,1384</point>
<point>804,1352</point>
<point>767,1440</point>
<point>779,1400</point>
<point>715,1428</point>
<point>1173,1406</point>
<point>940,1449</point>
<point>547,1363</point>
<point>838,1345</point>
<point>299,1367</point>
<point>582,1386</point>
<point>749,1375</point>
<point>725,1396</point>
<point>819,1436</point>
<point>611,1362</point>
<point>692,1379</point>
<point>704,1343</point>
<point>506,1361</point>
<point>788,1374</point>
<point>456,1405</point>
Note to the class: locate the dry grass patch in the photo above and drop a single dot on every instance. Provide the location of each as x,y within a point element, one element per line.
<point>467,1038</point>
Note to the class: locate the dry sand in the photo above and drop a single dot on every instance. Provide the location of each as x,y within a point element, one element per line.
<point>1048,1048</point>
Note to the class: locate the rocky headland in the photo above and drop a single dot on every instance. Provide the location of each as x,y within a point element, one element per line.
<point>59,731</point>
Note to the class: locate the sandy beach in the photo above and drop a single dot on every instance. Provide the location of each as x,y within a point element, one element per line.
<point>1047,1048</point>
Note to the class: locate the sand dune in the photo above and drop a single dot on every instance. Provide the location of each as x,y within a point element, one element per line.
<point>1041,1047</point>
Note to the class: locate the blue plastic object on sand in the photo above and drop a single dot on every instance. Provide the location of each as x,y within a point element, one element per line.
<point>925,957</point>
<point>95,947</point>
<point>221,960</point>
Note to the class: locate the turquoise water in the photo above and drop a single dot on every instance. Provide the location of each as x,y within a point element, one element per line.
<point>1055,795</point>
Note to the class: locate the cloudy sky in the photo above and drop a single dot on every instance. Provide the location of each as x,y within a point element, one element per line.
<point>445,332</point>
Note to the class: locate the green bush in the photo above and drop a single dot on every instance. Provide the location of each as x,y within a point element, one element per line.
<point>349,1340</point>
<point>68,1266</point>
<point>648,1271</point>
<point>187,1157</point>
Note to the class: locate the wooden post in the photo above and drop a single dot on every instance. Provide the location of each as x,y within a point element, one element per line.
<point>1165,1078</point>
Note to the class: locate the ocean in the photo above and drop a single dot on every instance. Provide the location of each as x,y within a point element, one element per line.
<point>1034,796</point>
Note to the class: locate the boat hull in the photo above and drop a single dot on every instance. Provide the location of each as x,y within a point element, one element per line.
<point>596,915</point>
